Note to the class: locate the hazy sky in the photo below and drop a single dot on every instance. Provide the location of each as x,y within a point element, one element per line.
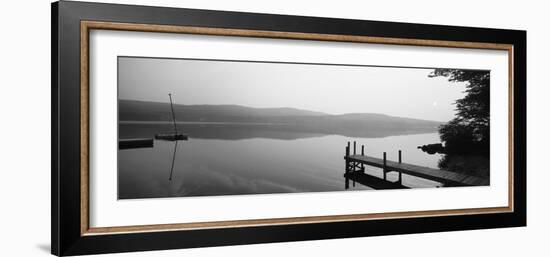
<point>403,92</point>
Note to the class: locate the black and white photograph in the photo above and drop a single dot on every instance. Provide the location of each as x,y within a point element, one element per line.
<point>274,128</point>
<point>207,127</point>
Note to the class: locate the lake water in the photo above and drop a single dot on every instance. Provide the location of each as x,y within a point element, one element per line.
<point>252,160</point>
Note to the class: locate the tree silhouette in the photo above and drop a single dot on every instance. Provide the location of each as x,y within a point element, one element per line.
<point>468,132</point>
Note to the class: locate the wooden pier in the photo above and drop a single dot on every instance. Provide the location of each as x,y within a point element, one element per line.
<point>355,164</point>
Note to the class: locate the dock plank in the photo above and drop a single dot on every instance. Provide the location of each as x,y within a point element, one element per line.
<point>443,176</point>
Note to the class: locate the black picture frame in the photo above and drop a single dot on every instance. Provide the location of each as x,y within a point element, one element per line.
<point>66,235</point>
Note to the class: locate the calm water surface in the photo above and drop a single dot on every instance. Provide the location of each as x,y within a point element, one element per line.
<point>266,162</point>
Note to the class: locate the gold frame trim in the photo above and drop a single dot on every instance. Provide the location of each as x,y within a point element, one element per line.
<point>86,26</point>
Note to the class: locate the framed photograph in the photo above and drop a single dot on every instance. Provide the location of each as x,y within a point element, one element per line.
<point>177,128</point>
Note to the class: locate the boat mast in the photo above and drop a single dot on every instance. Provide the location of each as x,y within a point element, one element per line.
<point>173,115</point>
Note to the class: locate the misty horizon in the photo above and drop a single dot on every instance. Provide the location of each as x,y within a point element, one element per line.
<point>331,89</point>
<point>278,108</point>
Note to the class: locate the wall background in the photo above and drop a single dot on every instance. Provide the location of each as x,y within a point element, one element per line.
<point>25,128</point>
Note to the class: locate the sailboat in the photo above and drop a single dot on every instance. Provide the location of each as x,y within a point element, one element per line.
<point>172,136</point>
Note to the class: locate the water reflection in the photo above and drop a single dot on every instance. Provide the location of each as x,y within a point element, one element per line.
<point>239,131</point>
<point>371,181</point>
<point>173,159</point>
<point>238,164</point>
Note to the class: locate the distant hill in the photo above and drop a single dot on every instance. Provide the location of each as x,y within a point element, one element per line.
<point>153,111</point>
<point>287,119</point>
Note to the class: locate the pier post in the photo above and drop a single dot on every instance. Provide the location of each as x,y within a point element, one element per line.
<point>362,154</point>
<point>346,159</point>
<point>399,156</point>
<point>347,166</point>
<point>400,179</point>
<point>400,173</point>
<point>384,167</point>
